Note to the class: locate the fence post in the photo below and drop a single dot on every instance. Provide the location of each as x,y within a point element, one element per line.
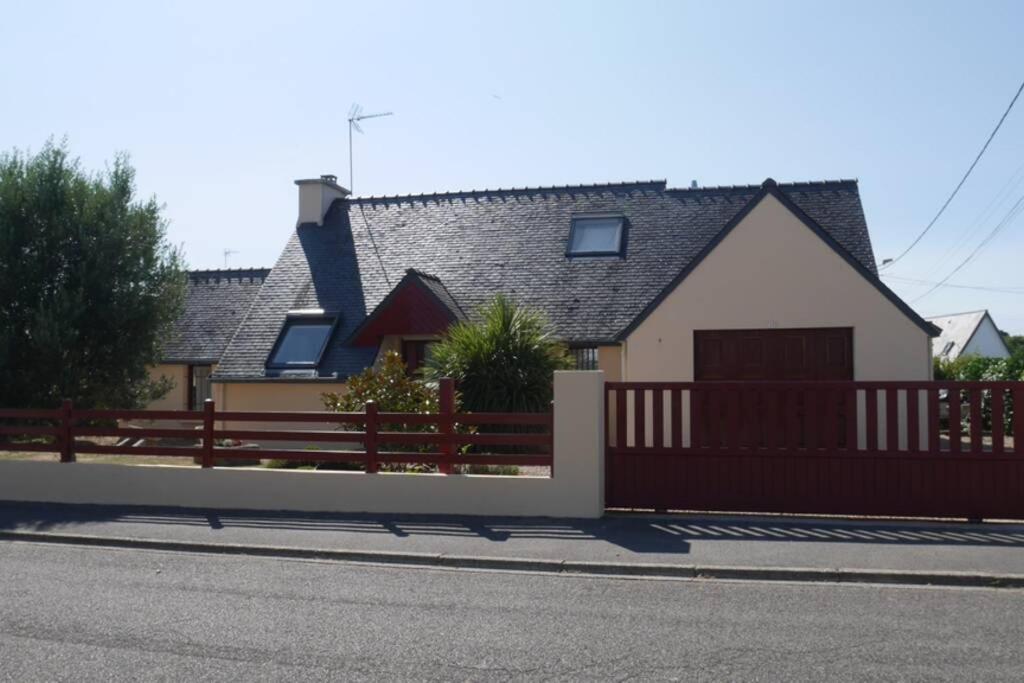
<point>208,409</point>
<point>371,437</point>
<point>67,438</point>
<point>446,424</point>
<point>1018,419</point>
<point>551,426</point>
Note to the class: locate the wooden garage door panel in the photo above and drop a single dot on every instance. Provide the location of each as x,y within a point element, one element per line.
<point>797,354</point>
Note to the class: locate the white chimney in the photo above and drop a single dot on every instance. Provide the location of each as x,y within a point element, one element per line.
<point>315,197</point>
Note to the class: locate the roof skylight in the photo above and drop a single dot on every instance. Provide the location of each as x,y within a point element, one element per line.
<point>596,236</point>
<point>301,342</point>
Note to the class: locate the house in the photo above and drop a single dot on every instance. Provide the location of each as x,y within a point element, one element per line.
<point>643,281</point>
<point>968,334</point>
<point>216,301</point>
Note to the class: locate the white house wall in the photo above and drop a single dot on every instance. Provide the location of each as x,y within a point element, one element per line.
<point>986,341</point>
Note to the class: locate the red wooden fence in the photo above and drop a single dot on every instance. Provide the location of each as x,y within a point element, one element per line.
<point>881,448</point>
<point>451,430</point>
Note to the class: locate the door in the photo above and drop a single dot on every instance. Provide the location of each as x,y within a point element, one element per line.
<point>810,354</point>
<point>824,353</point>
<point>198,386</point>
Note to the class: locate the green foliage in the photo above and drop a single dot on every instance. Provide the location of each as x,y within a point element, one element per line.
<point>394,391</point>
<point>504,363</point>
<point>977,368</point>
<point>89,287</point>
<point>389,386</point>
<point>1014,342</point>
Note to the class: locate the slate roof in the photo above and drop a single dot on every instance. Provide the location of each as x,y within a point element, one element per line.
<point>437,288</point>
<point>216,302</point>
<point>480,243</point>
<point>957,331</point>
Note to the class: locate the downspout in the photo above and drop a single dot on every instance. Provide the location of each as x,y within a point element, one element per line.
<point>622,362</point>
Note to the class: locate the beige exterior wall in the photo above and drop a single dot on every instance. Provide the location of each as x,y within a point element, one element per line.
<point>772,271</point>
<point>390,342</point>
<point>609,361</point>
<point>575,490</point>
<point>177,397</point>
<point>253,396</point>
<point>276,396</point>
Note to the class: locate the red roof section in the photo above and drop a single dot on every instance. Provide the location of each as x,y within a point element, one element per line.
<point>410,309</point>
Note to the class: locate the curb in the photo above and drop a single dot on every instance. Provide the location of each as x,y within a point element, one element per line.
<point>571,567</point>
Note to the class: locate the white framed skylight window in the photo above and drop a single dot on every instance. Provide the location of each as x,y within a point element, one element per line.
<point>596,236</point>
<point>301,342</point>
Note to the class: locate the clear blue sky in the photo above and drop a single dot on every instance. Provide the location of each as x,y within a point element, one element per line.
<point>222,105</point>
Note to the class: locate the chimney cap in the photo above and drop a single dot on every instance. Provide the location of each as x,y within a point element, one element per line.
<point>328,179</point>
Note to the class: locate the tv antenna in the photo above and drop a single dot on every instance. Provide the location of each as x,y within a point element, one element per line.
<point>227,253</point>
<point>355,115</point>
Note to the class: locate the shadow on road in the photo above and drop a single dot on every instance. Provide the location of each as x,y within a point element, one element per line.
<point>640,534</point>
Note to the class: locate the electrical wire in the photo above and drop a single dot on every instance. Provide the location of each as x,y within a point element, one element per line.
<point>1007,220</point>
<point>983,288</point>
<point>962,180</point>
<point>970,234</point>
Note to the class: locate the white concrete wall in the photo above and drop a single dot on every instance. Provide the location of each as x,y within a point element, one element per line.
<point>575,490</point>
<point>772,271</point>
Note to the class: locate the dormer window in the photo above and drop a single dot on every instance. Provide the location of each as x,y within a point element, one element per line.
<point>596,236</point>
<point>302,340</point>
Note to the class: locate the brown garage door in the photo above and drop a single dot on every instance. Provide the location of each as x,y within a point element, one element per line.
<point>822,353</point>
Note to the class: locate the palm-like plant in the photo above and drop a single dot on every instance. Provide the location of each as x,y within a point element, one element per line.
<point>503,363</point>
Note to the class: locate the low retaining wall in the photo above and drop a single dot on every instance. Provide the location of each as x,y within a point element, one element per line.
<point>575,490</point>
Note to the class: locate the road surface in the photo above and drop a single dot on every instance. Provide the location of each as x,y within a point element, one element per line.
<point>76,613</point>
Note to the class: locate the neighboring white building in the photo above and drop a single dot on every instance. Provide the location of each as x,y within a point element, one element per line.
<point>968,334</point>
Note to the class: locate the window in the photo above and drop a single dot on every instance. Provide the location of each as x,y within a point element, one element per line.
<point>946,349</point>
<point>301,343</point>
<point>596,236</point>
<point>199,386</point>
<point>586,358</point>
<point>415,353</point>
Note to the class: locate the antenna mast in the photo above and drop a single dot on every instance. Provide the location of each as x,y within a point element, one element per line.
<point>355,115</point>
<point>228,252</point>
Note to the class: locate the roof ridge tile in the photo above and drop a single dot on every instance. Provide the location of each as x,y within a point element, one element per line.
<point>659,184</point>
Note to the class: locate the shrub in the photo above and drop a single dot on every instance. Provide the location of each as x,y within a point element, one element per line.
<point>389,386</point>
<point>503,363</point>
<point>394,391</point>
<point>977,368</point>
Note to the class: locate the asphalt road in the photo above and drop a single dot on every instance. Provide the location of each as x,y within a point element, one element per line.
<point>71,613</point>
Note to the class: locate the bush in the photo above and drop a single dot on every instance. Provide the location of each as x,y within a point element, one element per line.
<point>977,368</point>
<point>504,363</point>
<point>394,391</point>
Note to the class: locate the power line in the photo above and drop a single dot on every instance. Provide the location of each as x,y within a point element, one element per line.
<point>1000,226</point>
<point>962,180</point>
<point>969,234</point>
<point>983,288</point>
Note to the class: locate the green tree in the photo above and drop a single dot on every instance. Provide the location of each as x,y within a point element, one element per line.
<point>89,286</point>
<point>1014,342</point>
<point>503,363</point>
